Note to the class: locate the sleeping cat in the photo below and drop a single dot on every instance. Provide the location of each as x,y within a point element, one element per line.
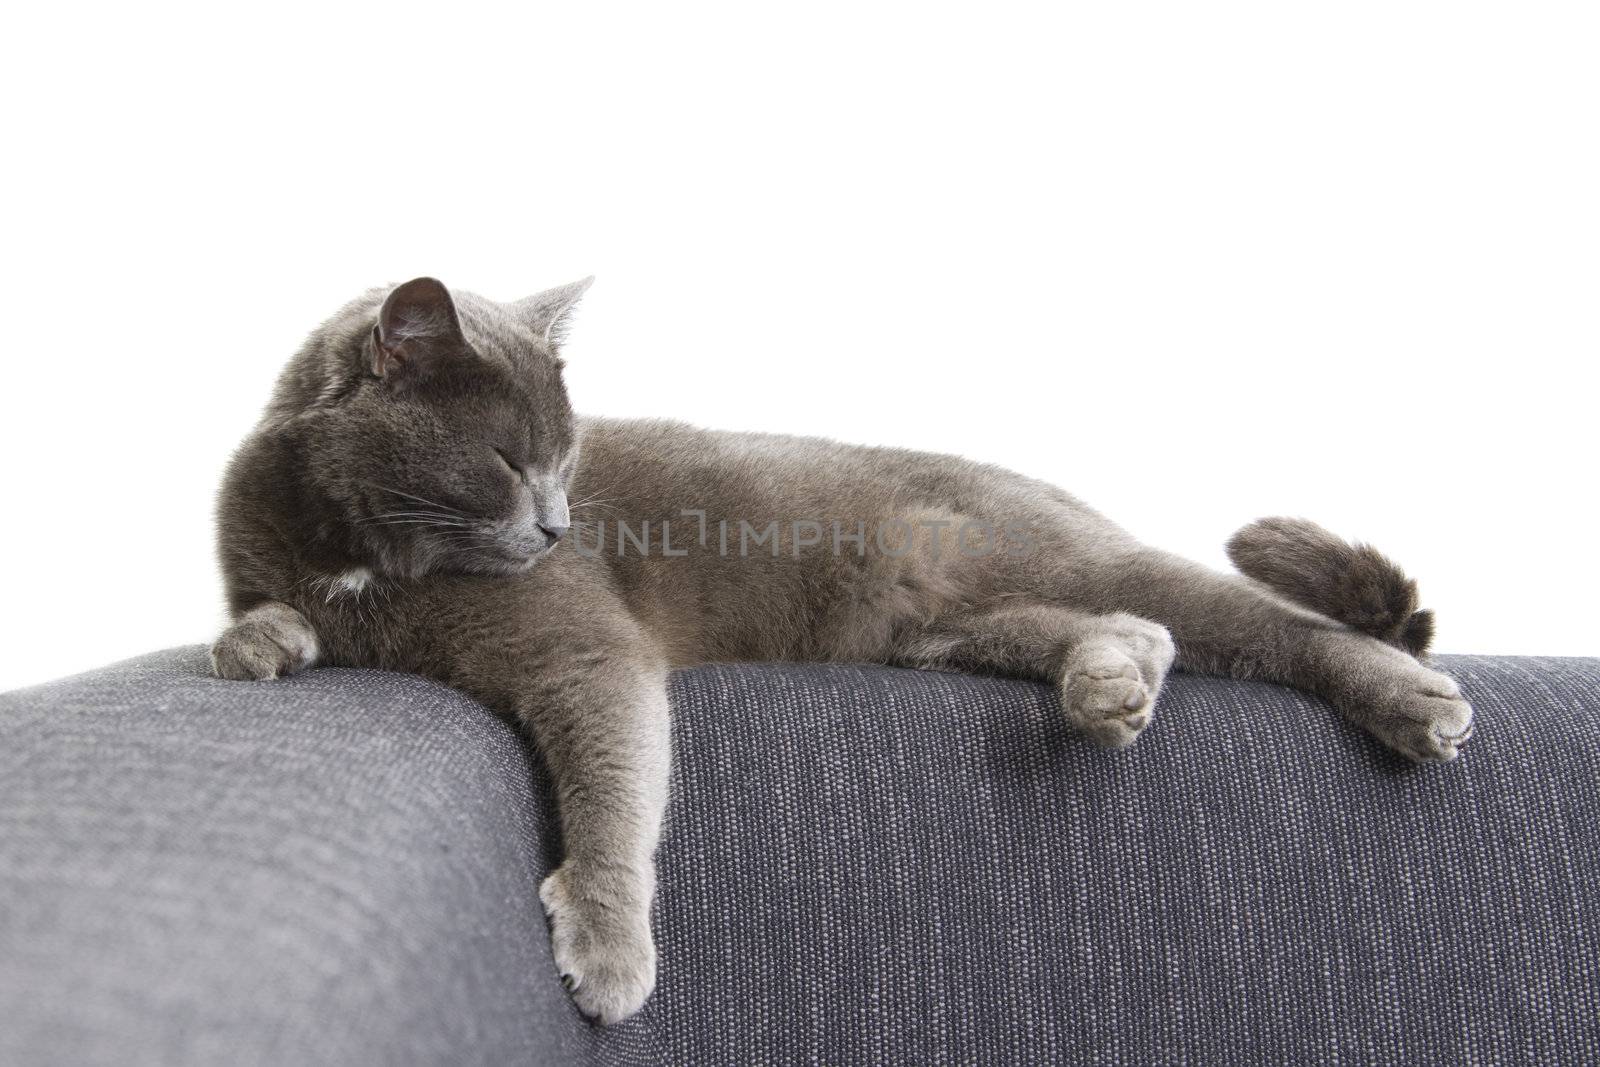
<point>418,496</point>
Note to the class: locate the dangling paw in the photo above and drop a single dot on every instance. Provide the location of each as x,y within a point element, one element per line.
<point>602,946</point>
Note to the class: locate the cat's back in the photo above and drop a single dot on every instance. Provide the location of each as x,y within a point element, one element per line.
<point>681,465</point>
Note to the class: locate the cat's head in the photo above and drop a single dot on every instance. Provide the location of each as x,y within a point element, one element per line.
<point>451,444</point>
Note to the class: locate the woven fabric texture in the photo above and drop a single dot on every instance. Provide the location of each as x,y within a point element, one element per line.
<point>861,866</point>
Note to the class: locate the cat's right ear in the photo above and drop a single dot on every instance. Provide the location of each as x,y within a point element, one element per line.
<point>546,313</point>
<point>417,327</point>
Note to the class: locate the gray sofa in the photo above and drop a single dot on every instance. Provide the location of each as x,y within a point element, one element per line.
<point>861,866</point>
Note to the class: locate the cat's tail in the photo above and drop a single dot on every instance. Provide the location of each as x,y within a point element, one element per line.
<point>1352,583</point>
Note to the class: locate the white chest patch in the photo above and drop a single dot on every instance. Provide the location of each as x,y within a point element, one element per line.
<point>353,580</point>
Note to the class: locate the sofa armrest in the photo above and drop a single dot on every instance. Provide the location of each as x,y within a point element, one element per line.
<point>340,867</point>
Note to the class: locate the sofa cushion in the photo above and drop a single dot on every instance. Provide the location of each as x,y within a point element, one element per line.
<point>861,865</point>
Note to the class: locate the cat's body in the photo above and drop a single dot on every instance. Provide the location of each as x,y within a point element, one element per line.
<point>366,522</point>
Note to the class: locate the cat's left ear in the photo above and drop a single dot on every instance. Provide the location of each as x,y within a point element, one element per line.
<point>548,313</point>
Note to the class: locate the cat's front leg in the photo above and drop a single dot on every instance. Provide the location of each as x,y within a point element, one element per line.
<point>268,641</point>
<point>602,726</point>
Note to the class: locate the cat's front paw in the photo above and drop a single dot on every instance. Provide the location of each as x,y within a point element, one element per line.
<point>601,940</point>
<point>1427,722</point>
<point>267,642</point>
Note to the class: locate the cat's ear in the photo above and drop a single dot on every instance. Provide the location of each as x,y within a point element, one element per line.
<point>417,326</point>
<point>547,313</point>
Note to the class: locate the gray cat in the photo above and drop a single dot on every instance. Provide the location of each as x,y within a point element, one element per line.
<point>404,503</point>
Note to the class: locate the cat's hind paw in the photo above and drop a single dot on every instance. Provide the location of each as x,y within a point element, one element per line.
<point>1429,723</point>
<point>1106,699</point>
<point>1111,680</point>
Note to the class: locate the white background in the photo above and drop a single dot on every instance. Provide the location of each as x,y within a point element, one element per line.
<point>1195,262</point>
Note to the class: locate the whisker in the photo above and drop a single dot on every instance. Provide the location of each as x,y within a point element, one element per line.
<point>418,522</point>
<point>418,499</point>
<point>414,513</point>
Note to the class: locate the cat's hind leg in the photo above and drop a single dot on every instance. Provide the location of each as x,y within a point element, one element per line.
<point>1228,625</point>
<point>1108,668</point>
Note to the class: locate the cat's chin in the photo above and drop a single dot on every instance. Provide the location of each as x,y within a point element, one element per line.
<point>528,564</point>
<point>500,567</point>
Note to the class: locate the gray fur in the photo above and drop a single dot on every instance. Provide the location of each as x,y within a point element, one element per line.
<point>399,506</point>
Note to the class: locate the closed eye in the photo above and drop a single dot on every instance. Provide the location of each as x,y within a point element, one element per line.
<point>510,466</point>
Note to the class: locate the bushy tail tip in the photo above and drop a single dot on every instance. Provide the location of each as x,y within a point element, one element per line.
<point>1352,583</point>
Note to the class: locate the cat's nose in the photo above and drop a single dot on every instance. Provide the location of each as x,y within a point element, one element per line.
<point>555,533</point>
